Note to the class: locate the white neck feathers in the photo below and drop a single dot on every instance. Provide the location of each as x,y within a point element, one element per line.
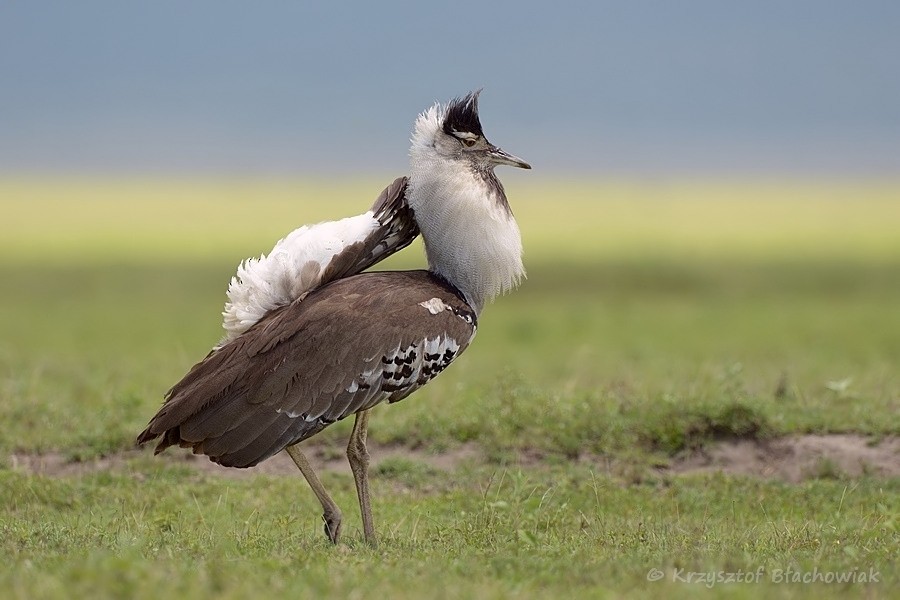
<point>471,237</point>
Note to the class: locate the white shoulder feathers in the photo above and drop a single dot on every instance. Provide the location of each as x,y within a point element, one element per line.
<point>292,269</point>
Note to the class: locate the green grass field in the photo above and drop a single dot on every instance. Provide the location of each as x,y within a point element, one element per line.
<point>658,319</point>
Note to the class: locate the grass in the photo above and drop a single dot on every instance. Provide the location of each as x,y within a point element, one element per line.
<point>667,316</point>
<point>543,532</point>
<point>615,364</point>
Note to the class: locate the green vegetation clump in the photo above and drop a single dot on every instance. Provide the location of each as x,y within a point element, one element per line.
<point>686,429</point>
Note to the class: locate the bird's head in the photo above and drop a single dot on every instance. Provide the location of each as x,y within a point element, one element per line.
<point>452,133</point>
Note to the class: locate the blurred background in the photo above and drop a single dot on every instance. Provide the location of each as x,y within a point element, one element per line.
<point>642,88</point>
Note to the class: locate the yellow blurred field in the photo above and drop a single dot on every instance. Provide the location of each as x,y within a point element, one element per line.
<point>78,220</point>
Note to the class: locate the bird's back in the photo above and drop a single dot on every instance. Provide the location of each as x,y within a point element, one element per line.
<point>344,348</point>
<point>314,255</point>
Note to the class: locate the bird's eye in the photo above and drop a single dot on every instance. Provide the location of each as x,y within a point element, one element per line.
<point>468,142</point>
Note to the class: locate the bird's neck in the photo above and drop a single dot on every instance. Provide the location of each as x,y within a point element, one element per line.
<point>471,237</point>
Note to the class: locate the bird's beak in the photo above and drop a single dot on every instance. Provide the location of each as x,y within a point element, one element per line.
<point>501,157</point>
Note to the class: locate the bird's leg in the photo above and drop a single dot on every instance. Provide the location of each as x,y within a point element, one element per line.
<point>358,456</point>
<point>331,513</point>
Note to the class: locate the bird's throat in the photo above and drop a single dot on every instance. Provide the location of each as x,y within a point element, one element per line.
<point>471,237</point>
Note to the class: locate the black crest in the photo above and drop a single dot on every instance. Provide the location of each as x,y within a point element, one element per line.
<point>462,115</point>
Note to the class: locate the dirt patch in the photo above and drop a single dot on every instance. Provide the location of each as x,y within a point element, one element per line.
<point>323,459</point>
<point>792,458</point>
<point>797,458</point>
<point>55,464</point>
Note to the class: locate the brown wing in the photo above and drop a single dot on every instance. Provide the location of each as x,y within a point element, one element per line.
<point>398,230</point>
<point>345,348</point>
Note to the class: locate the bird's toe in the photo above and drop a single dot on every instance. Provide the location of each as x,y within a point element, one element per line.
<point>332,526</point>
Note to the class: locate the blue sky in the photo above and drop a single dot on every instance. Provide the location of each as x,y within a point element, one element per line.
<point>629,87</point>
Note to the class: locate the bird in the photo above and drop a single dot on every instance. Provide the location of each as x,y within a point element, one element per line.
<point>312,336</point>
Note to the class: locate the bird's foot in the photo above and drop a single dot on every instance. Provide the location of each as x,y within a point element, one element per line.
<point>332,526</point>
